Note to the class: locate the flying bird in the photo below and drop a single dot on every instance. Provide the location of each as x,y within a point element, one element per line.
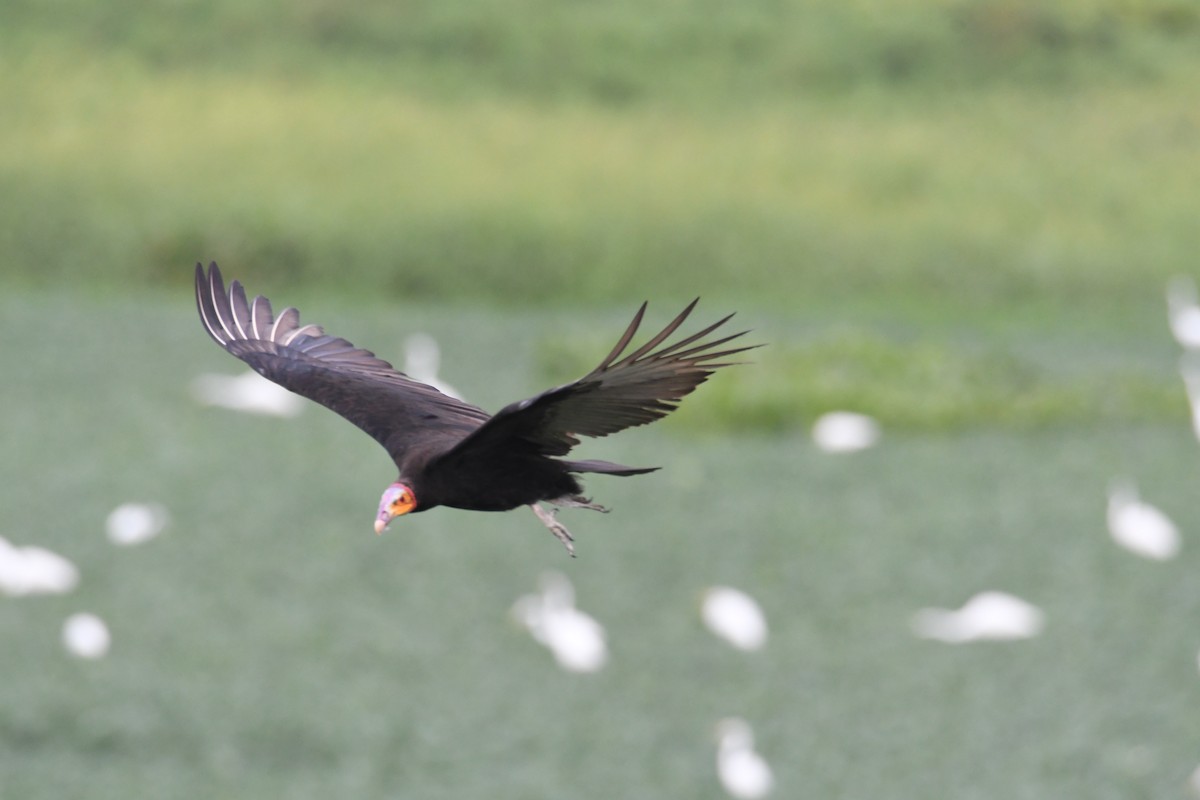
<point>449,452</point>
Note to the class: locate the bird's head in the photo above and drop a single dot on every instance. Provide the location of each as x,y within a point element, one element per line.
<point>397,499</point>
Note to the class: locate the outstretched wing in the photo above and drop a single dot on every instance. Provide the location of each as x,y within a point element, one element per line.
<point>395,410</point>
<point>623,391</point>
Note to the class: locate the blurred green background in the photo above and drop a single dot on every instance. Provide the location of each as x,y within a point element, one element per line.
<point>957,216</point>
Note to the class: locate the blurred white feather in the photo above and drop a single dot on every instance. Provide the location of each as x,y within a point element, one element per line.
<point>86,636</point>
<point>734,616</point>
<point>743,773</point>
<point>134,523</point>
<point>34,570</point>
<point>996,616</point>
<point>422,359</point>
<point>1183,312</point>
<point>1138,526</point>
<point>575,638</point>
<point>1189,370</point>
<point>845,432</point>
<point>248,392</point>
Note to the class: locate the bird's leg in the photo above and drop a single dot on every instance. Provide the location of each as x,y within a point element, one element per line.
<point>557,528</point>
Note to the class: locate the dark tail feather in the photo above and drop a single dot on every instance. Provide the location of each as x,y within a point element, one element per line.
<point>605,468</point>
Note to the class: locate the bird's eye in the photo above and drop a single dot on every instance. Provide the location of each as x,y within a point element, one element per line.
<point>402,499</point>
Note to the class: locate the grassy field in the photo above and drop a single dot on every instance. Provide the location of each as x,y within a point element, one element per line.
<point>972,154</point>
<point>956,215</point>
<point>267,644</point>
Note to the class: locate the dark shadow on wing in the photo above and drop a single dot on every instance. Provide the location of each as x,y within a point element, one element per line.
<point>623,391</point>
<point>398,412</point>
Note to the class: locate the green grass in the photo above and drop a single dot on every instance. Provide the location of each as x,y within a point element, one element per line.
<point>929,384</point>
<point>451,151</point>
<point>626,53</point>
<point>268,644</point>
<point>957,215</point>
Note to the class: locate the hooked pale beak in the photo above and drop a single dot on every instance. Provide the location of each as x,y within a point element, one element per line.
<point>397,500</point>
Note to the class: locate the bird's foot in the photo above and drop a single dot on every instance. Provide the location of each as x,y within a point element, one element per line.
<point>578,501</point>
<point>557,528</point>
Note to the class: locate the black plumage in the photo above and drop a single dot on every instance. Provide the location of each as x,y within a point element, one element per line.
<point>452,453</point>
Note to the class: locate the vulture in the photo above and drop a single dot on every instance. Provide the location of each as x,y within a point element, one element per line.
<point>452,453</point>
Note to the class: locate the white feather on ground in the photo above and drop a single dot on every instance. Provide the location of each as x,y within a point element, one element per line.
<point>845,432</point>
<point>86,636</point>
<point>743,773</point>
<point>1183,312</point>
<point>577,640</point>
<point>249,392</point>
<point>995,616</point>
<point>1138,526</point>
<point>735,617</point>
<point>134,523</point>
<point>1189,370</point>
<point>33,570</point>
<point>1194,782</point>
<point>422,359</point>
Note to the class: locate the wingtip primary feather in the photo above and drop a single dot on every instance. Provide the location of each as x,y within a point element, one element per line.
<point>239,308</point>
<point>655,340</point>
<point>216,291</point>
<point>261,317</point>
<point>626,337</point>
<point>205,302</point>
<point>671,350</point>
